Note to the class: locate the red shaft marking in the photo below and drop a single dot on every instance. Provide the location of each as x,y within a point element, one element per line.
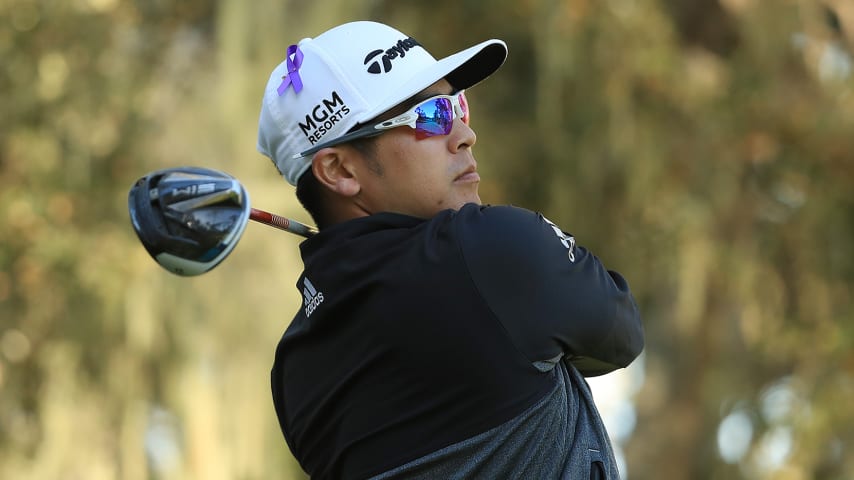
<point>281,223</point>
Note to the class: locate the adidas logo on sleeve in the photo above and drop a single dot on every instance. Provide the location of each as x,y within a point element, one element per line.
<point>311,297</point>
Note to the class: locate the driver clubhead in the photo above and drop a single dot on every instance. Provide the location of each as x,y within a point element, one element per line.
<point>189,218</point>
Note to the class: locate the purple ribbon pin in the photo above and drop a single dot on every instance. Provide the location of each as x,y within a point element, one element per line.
<point>292,78</point>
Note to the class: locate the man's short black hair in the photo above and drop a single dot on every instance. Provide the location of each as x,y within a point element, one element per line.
<point>309,193</point>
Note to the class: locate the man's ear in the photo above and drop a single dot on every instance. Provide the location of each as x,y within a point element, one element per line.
<point>333,168</point>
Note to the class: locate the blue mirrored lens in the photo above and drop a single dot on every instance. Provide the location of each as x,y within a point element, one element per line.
<point>435,117</point>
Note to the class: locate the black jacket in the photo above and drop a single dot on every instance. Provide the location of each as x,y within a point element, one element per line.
<point>417,334</point>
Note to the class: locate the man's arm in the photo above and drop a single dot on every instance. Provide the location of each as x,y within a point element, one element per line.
<point>552,296</point>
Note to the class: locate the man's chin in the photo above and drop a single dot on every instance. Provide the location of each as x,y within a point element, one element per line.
<point>472,199</point>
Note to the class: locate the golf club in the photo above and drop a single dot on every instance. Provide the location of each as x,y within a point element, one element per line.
<point>190,218</point>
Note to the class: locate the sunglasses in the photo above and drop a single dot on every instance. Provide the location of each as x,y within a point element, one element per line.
<point>430,118</point>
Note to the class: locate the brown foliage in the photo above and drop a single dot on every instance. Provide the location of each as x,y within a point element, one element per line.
<point>701,148</point>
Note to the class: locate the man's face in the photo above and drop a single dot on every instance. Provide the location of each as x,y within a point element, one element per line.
<point>421,177</point>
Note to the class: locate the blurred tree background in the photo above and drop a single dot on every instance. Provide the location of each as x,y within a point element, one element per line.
<point>703,148</point>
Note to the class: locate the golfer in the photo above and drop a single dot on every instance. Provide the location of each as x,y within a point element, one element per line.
<point>438,337</point>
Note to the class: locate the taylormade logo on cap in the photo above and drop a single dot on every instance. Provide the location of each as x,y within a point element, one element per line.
<point>399,50</point>
<point>347,76</point>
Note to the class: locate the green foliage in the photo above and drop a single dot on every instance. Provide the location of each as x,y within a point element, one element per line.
<point>704,151</point>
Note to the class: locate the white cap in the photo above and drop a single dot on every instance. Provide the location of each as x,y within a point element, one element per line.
<point>349,75</point>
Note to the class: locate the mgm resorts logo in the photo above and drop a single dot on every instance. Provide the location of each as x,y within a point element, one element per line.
<point>397,50</point>
<point>323,117</point>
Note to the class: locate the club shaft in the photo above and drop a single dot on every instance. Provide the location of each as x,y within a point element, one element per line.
<point>281,223</point>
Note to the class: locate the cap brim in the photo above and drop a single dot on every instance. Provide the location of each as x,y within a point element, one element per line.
<point>462,70</point>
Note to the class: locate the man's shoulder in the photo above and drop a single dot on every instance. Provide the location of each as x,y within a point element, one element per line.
<point>492,218</point>
<point>485,226</point>
<point>510,240</point>
<point>495,211</point>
